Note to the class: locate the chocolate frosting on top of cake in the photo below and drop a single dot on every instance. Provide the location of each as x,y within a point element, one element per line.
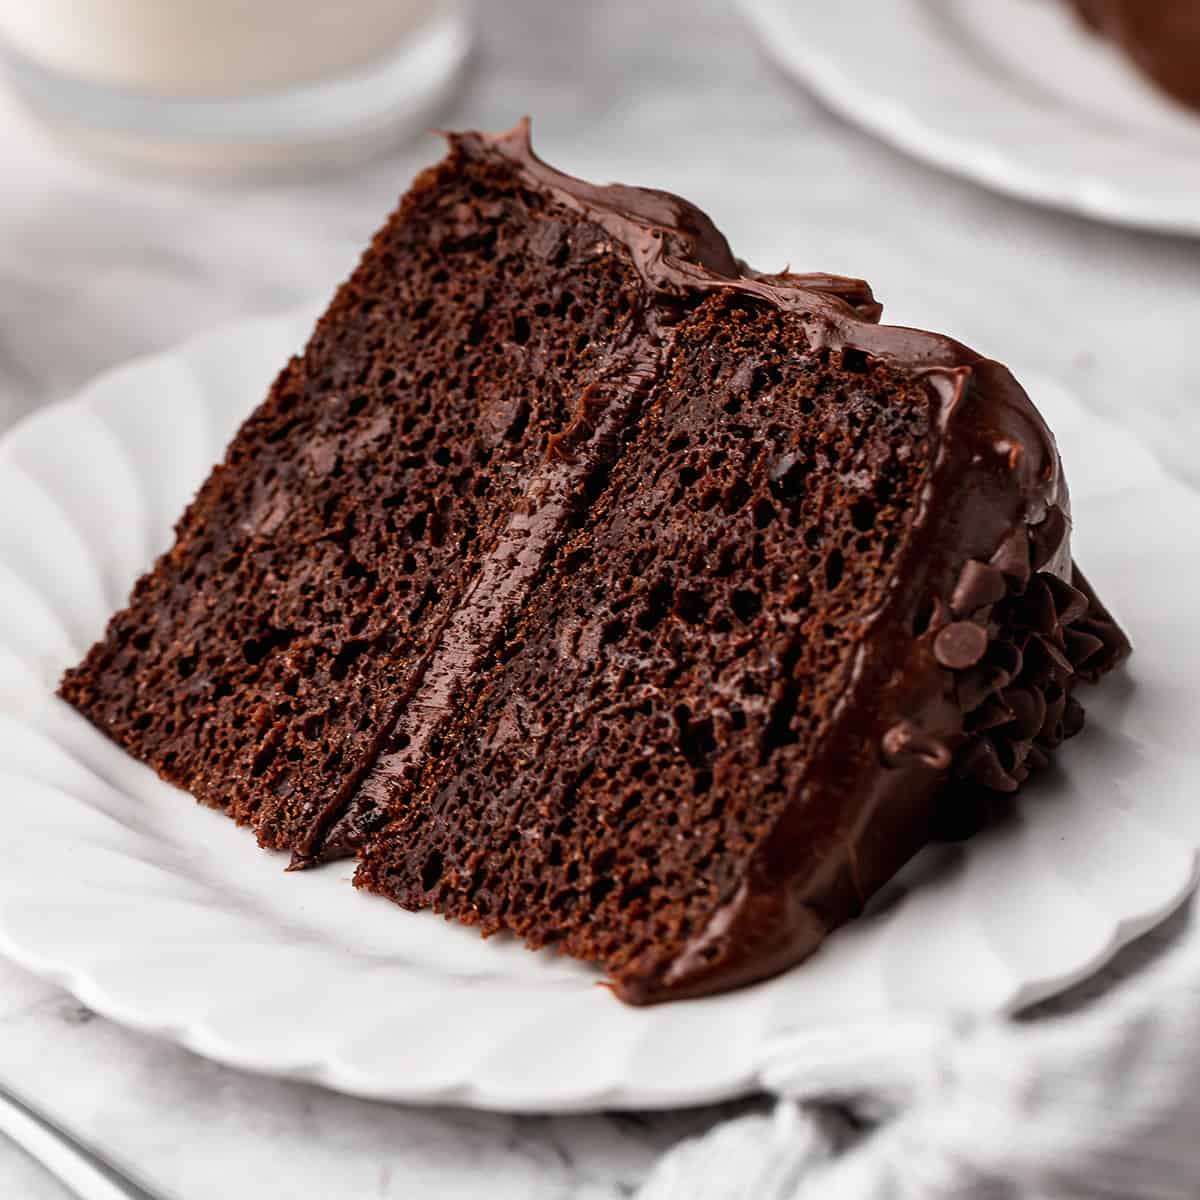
<point>679,251</point>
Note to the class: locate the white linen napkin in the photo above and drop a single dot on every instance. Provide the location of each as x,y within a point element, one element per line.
<point>1100,1103</point>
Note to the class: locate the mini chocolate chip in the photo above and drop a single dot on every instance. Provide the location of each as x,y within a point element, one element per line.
<point>1072,717</point>
<point>1038,759</point>
<point>781,466</point>
<point>960,645</point>
<point>1050,647</point>
<point>1012,558</point>
<point>1028,706</point>
<point>975,686</point>
<point>741,381</point>
<point>1069,603</point>
<point>978,585</point>
<point>1115,647</point>
<point>993,713</point>
<point>1051,734</point>
<point>1081,647</point>
<point>1037,609</point>
<point>1007,656</point>
<point>548,239</point>
<point>982,764</point>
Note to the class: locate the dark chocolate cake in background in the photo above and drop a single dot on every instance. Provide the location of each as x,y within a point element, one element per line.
<point>589,585</point>
<point>1161,36</point>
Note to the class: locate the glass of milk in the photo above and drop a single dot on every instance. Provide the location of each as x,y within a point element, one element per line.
<point>234,84</point>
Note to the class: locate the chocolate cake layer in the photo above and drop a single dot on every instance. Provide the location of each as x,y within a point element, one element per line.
<point>594,587</point>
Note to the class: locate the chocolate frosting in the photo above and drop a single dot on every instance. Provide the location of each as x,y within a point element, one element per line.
<point>1161,36</point>
<point>961,680</point>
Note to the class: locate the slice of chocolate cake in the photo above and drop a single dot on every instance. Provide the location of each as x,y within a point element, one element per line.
<point>592,586</point>
<point>1161,36</point>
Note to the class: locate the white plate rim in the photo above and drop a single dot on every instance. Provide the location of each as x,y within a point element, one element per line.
<point>1009,146</point>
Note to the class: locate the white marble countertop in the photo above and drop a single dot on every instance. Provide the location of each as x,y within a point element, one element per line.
<point>96,267</point>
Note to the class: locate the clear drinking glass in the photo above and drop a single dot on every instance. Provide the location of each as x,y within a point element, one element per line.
<point>234,84</point>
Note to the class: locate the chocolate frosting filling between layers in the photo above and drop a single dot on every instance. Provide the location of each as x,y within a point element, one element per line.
<point>962,673</point>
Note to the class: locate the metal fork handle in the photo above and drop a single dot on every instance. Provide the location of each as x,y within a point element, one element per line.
<point>87,1173</point>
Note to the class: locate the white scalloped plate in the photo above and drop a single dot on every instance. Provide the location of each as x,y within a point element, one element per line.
<point>166,917</point>
<point>1013,94</point>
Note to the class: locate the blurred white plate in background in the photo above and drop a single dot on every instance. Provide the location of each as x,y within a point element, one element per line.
<point>1013,94</point>
<point>168,918</point>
